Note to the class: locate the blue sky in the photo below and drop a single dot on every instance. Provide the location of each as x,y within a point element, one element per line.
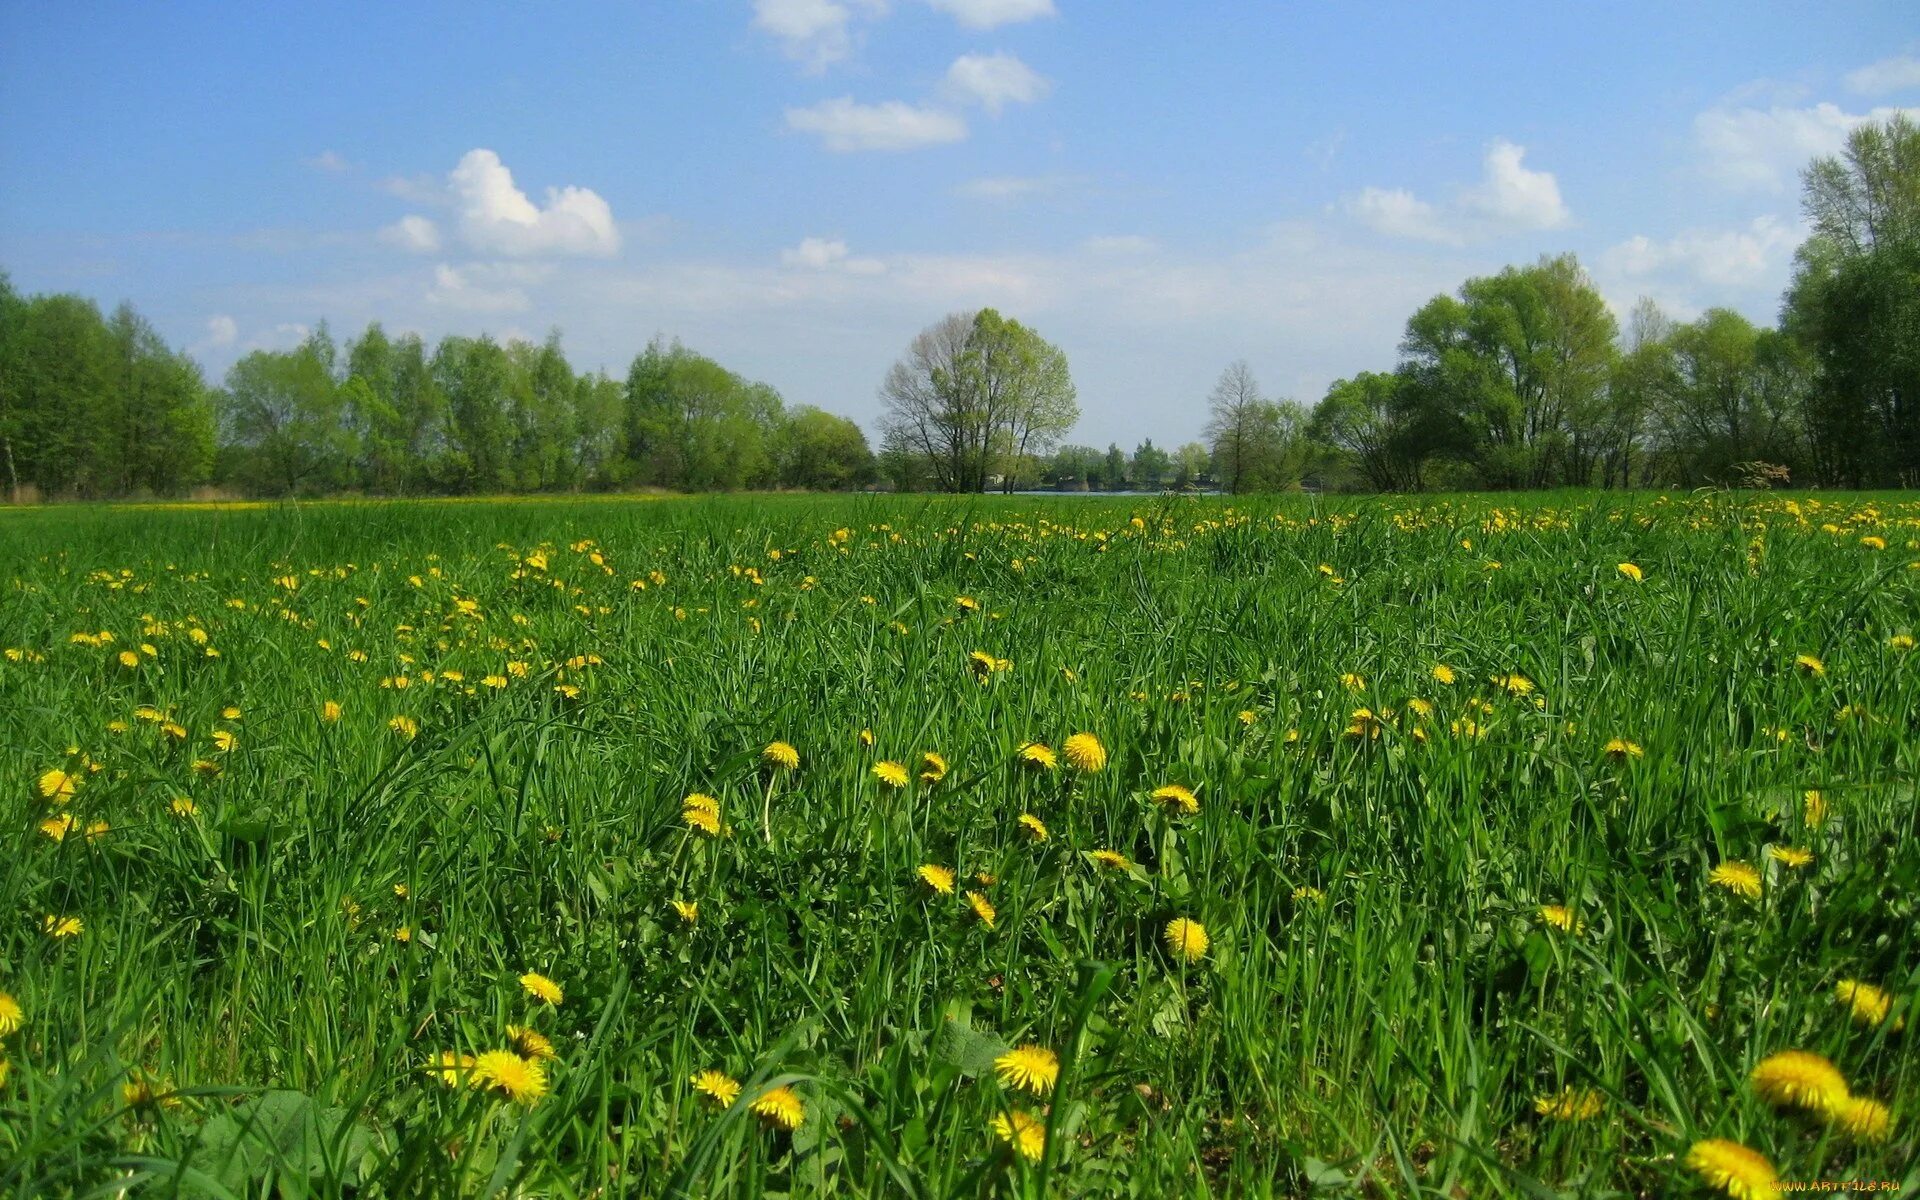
<point>798,186</point>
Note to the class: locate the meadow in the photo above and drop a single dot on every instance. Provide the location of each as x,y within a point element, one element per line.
<point>1557,845</point>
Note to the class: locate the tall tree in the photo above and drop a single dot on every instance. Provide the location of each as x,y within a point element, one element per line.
<point>282,420</point>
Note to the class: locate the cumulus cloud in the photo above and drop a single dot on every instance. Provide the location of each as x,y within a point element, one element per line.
<point>468,291</point>
<point>1514,196</point>
<point>1397,212</point>
<point>1763,149</point>
<point>412,233</point>
<point>1724,259</point>
<point>990,14</point>
<point>844,126</point>
<point>829,254</point>
<point>496,217</point>
<point>816,33</point>
<point>222,331</point>
<point>1896,74</point>
<point>994,81</point>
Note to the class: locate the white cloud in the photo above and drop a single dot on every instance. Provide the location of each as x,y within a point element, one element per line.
<point>844,126</point>
<point>330,161</point>
<point>1896,74</point>
<point>1764,149</point>
<point>1118,244</point>
<point>1397,212</point>
<point>496,217</point>
<point>994,81</point>
<point>222,330</point>
<point>1513,196</point>
<point>412,233</point>
<point>812,32</point>
<point>990,14</point>
<point>829,254</point>
<point>464,291</point>
<point>1723,259</point>
<point>1004,189</point>
<point>416,189</point>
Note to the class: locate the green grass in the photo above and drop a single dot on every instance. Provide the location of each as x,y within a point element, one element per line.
<point>1379,1009</point>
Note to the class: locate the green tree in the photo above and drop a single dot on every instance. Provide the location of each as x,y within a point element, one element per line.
<point>282,420</point>
<point>1152,466</point>
<point>823,452</point>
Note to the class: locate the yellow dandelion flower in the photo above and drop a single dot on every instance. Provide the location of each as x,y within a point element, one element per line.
<point>966,603</point>
<point>56,786</point>
<point>1084,752</point>
<point>1737,877</point>
<point>142,1091</point>
<point>1035,828</point>
<point>718,1086</point>
<point>1866,1003</point>
<point>1187,938</point>
<point>1354,683</point>
<point>1874,542</point>
<point>452,1069</point>
<point>1560,917</point>
<point>404,934</point>
<point>1037,755</point>
<point>704,820</point>
<point>1569,1104</point>
<point>1174,797</point>
<point>1902,642</point>
<point>1023,1131</point>
<point>1034,1068</point>
<point>1813,809</point>
<point>1741,1173</point>
<point>1111,859</point>
<point>1620,749</point>
<point>57,826</point>
<point>866,738</point>
<point>1443,674</point>
<point>1791,857</point>
<point>330,711</point>
<point>1809,664</point>
<point>129,659</point>
<point>541,988</point>
<point>61,928</point>
<point>1799,1079</point>
<point>12,1017</point>
<point>530,1043</point>
<point>1306,893</point>
<point>933,768</point>
<point>689,910</point>
<point>890,773</point>
<point>1514,683</point>
<point>939,878</point>
<point>982,908</point>
<point>1864,1120</point>
<point>1247,716</point>
<point>1631,572</point>
<point>405,726</point>
<point>520,1080</point>
<point>781,755</point>
<point>781,1107</point>
<point>182,807</point>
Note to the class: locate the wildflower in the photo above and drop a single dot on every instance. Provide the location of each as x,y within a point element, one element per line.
<point>225,741</point>
<point>1111,859</point>
<point>142,1091</point>
<point>1034,1068</point>
<point>1037,755</point>
<point>984,665</point>
<point>1813,809</point>
<point>330,711</point>
<point>61,928</point>
<point>1790,857</point>
<point>541,988</point>
<point>1560,917</point>
<point>781,1106</point>
<point>1247,716</point>
<point>1187,938</point>
<point>56,786</point>
<point>1085,753</point>
<point>940,879</point>
<point>1023,1131</point>
<point>1363,724</point>
<point>1738,878</point>
<point>1864,1120</point>
<point>1443,674</point>
<point>520,1080</point>
<point>1741,1173</point>
<point>890,773</point>
<point>56,827</point>
<point>11,1015</point>
<point>1515,684</point>
<point>933,768</point>
<point>1799,1079</point>
<point>530,1044</point>
<point>1174,797</point>
<point>701,819</point>
<point>1034,826</point>
<point>1631,572</point>
<point>982,908</point>
<point>689,910</point>
<point>1620,749</point>
<point>718,1086</point>
<point>453,1069</point>
<point>866,738</point>
<point>404,934</point>
<point>1354,683</point>
<point>405,726</point>
<point>1902,642</point>
<point>1874,542</point>
<point>1306,892</point>
<point>1570,1104</point>
<point>1866,1004</point>
<point>1809,664</point>
<point>129,659</point>
<point>781,755</point>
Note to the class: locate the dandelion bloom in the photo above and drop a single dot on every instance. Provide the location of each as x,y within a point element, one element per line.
<point>1901,642</point>
<point>1173,796</point>
<point>61,928</point>
<point>1813,809</point>
<point>1111,859</point>
<point>1864,1120</point>
<point>57,827</point>
<point>1739,1172</point>
<point>1790,856</point>
<point>718,1086</point>
<point>1306,892</point>
<point>1515,683</point>
<point>1867,1004</point>
<point>1085,753</point>
<point>890,773</point>
<point>405,726</point>
<point>1738,878</point>
<point>982,908</point>
<point>1631,572</point>
<point>143,1091</point>
<point>1038,755</point>
<point>1620,748</point>
<point>1809,664</point>
<point>1560,917</point>
<point>866,738</point>
<point>541,988</point>
<point>1025,1132</point>
<point>56,786</point>
<point>530,1043</point>
<point>933,768</point>
<point>703,819</point>
<point>182,807</point>
<point>940,879</point>
<point>520,1080</point>
<point>225,740</point>
<point>781,1106</point>
<point>1443,674</point>
<point>1569,1104</point>
<point>1353,683</point>
<point>1035,828</point>
<point>11,1015</point>
<point>689,910</point>
<point>781,755</point>
<point>1034,1068</point>
<point>1187,938</point>
<point>1799,1079</point>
